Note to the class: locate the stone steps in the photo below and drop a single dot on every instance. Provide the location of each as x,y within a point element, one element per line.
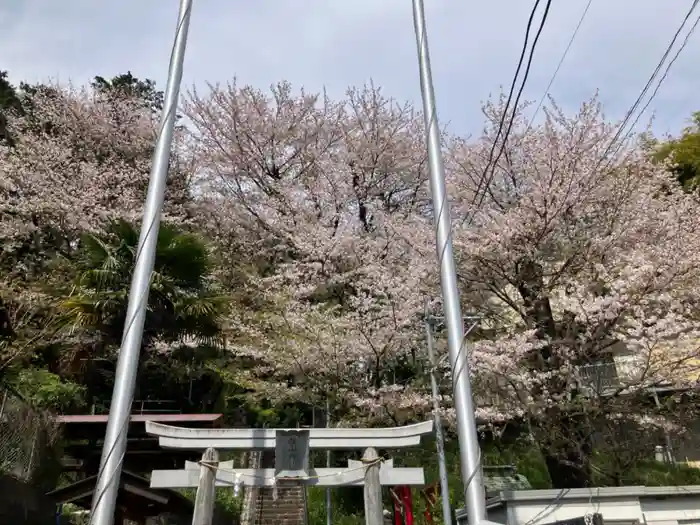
<point>283,505</point>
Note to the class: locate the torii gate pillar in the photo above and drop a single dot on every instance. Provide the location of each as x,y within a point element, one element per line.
<point>292,448</point>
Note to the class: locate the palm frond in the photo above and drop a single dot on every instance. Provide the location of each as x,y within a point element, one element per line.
<point>181,304</point>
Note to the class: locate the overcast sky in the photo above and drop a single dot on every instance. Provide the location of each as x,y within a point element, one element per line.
<point>333,43</point>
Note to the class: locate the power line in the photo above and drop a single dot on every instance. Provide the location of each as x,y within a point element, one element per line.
<point>493,164</point>
<point>561,61</point>
<point>653,76</point>
<point>505,110</point>
<point>661,81</point>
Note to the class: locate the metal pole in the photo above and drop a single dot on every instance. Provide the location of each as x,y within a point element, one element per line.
<point>444,486</point>
<point>470,454</point>
<point>328,465</point>
<point>105,495</point>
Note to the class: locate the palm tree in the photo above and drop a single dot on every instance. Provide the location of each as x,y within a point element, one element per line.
<point>184,307</point>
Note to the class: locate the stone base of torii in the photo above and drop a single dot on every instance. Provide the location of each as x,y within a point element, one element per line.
<point>292,448</point>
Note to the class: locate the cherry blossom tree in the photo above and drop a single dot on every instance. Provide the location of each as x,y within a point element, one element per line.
<point>578,254</point>
<point>79,157</point>
<point>314,190</point>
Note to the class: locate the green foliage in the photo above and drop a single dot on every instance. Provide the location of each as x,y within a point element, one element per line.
<point>184,307</point>
<point>228,503</point>
<point>655,474</point>
<point>684,154</point>
<point>128,85</point>
<point>43,389</point>
<point>182,300</point>
<point>8,94</point>
<point>9,101</point>
<point>316,504</point>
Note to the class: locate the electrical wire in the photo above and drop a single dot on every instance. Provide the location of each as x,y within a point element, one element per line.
<point>491,162</point>
<point>515,106</point>
<point>510,97</point>
<point>658,85</point>
<point>561,61</point>
<point>641,96</point>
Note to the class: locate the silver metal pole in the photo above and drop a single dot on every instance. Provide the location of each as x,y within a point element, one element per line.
<point>105,495</point>
<point>470,453</point>
<point>329,521</point>
<point>439,439</point>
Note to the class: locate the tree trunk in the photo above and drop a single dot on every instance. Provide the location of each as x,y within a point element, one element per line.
<point>564,439</point>
<point>566,446</point>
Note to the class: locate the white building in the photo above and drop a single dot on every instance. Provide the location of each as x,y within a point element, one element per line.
<point>679,505</point>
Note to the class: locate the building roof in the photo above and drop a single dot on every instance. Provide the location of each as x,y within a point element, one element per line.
<point>634,491</point>
<point>136,498</point>
<point>142,418</point>
<point>84,434</point>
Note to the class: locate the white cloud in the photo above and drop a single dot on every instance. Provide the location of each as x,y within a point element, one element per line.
<point>334,43</point>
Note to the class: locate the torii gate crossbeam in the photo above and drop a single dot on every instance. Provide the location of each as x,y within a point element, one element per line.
<point>323,438</point>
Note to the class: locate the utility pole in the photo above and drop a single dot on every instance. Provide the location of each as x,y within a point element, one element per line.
<point>439,439</point>
<point>329,521</point>
<point>114,448</point>
<point>439,436</point>
<point>470,454</point>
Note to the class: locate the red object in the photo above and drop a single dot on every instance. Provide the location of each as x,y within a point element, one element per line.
<point>403,505</point>
<point>408,505</point>
<point>398,506</point>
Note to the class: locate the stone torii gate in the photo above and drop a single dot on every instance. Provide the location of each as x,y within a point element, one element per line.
<point>292,448</point>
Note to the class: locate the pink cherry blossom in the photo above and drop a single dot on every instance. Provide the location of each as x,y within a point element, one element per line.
<point>572,258</point>
<point>79,158</point>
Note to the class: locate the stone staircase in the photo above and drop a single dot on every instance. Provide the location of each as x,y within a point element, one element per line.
<point>261,507</point>
<point>288,509</point>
